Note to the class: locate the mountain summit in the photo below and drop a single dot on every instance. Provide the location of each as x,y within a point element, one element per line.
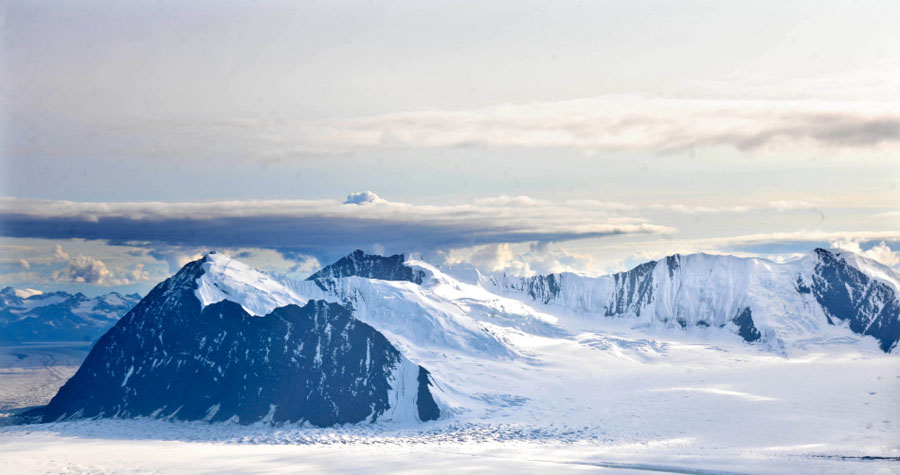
<point>368,266</point>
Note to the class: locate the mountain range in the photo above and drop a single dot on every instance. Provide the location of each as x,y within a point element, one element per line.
<point>34,316</point>
<point>389,339</point>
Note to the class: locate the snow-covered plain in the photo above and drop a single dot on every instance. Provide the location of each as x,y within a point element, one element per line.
<point>530,388</point>
<point>632,404</point>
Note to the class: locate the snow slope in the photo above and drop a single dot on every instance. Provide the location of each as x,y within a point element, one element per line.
<point>224,278</point>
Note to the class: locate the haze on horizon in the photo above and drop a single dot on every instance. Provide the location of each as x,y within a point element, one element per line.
<point>522,138</point>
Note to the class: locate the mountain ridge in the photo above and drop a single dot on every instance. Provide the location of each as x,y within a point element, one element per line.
<point>717,290</point>
<point>240,331</point>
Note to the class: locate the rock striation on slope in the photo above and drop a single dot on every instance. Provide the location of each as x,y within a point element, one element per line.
<point>188,352</point>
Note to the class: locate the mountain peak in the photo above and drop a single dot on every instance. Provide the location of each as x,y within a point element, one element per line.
<point>369,266</point>
<point>222,278</point>
<point>20,293</point>
<point>305,361</point>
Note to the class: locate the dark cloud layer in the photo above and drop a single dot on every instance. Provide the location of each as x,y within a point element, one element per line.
<point>318,227</point>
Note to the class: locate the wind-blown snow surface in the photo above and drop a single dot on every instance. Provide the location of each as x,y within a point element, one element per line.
<point>565,373</point>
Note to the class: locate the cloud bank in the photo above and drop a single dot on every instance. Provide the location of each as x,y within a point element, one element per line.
<point>621,123</point>
<point>590,125</point>
<point>315,225</point>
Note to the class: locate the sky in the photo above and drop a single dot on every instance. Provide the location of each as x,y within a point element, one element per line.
<point>523,137</point>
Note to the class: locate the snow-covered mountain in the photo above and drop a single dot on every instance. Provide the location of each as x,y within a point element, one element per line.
<point>352,342</point>
<point>775,303</point>
<point>360,264</point>
<point>220,341</point>
<point>30,316</point>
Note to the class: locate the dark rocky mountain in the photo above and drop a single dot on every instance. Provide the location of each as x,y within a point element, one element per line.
<point>172,357</point>
<point>59,316</point>
<point>869,306</point>
<point>360,264</point>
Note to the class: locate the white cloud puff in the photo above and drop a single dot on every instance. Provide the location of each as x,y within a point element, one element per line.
<point>92,271</point>
<point>880,252</point>
<point>362,198</point>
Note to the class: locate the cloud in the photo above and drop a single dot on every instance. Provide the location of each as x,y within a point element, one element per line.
<point>682,208</point>
<point>695,209</point>
<point>84,270</point>
<point>790,205</point>
<point>805,238</point>
<point>600,205</point>
<point>504,200</point>
<point>136,274</point>
<point>17,278</point>
<point>59,254</point>
<point>315,225</point>
<point>364,197</point>
<point>283,264</point>
<point>493,257</point>
<point>593,124</point>
<point>175,256</point>
<point>777,246</point>
<point>626,123</point>
<point>536,258</point>
<point>92,271</point>
<point>879,252</point>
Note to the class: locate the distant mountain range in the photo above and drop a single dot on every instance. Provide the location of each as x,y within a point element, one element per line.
<point>372,338</point>
<point>32,316</point>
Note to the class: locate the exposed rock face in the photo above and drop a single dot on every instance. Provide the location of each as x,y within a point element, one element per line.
<point>172,357</point>
<point>633,290</point>
<point>360,264</point>
<point>541,288</point>
<point>746,329</point>
<point>845,293</point>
